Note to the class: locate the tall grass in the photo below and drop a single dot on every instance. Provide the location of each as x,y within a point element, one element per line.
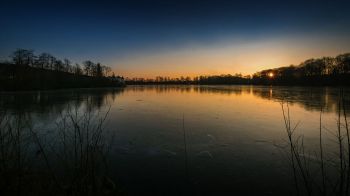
<point>71,160</point>
<point>14,143</point>
<point>327,175</point>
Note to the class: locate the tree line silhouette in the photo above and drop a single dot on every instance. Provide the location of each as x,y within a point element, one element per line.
<point>49,62</point>
<point>319,71</point>
<point>28,71</point>
<point>216,79</point>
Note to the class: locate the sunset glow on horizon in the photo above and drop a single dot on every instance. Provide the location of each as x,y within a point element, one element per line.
<point>152,38</point>
<point>175,97</point>
<point>230,58</point>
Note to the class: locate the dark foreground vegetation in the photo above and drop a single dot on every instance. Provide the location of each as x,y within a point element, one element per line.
<point>323,71</point>
<point>26,71</point>
<point>324,170</point>
<point>75,155</point>
<point>72,160</point>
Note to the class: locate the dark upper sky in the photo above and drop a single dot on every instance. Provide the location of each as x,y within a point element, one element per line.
<point>173,37</point>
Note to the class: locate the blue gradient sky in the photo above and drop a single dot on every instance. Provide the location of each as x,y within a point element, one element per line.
<point>150,38</point>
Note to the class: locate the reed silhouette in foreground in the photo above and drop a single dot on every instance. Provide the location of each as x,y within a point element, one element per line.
<point>324,171</point>
<point>72,160</point>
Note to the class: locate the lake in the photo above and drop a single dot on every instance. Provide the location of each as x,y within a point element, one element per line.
<point>179,140</point>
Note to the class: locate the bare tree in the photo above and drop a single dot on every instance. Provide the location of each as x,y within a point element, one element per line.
<point>99,71</point>
<point>23,57</point>
<point>67,65</point>
<point>58,65</point>
<point>43,61</point>
<point>88,67</point>
<point>77,69</point>
<point>52,62</point>
<point>106,70</point>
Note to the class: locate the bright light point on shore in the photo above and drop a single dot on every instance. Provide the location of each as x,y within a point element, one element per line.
<point>271,75</point>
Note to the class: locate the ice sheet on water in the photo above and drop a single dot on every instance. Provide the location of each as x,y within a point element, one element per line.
<point>205,154</point>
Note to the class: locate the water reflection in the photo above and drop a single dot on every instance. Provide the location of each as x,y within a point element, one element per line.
<point>42,102</point>
<point>310,98</point>
<point>230,132</point>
